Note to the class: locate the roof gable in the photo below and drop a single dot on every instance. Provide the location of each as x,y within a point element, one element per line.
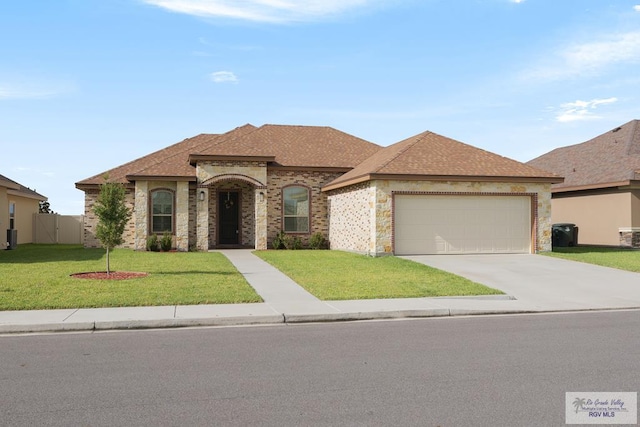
<point>431,155</point>
<point>608,159</point>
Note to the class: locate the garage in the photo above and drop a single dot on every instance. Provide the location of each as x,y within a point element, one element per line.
<point>462,224</point>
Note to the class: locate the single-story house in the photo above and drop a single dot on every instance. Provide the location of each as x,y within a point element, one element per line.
<point>601,189</point>
<point>17,206</point>
<point>426,194</point>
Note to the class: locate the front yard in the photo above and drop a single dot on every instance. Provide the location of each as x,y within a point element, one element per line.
<point>622,259</point>
<point>336,275</point>
<point>38,277</point>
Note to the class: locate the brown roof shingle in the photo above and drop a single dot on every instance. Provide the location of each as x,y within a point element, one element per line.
<point>433,155</point>
<point>299,146</point>
<point>172,161</point>
<point>21,189</point>
<point>610,158</point>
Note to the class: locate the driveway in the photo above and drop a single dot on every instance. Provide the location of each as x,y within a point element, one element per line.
<point>543,282</point>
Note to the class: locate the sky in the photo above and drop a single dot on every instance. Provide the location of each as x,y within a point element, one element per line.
<point>87,85</point>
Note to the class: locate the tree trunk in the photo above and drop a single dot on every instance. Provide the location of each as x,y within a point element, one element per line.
<point>108,270</point>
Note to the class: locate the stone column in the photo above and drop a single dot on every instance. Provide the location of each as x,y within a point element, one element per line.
<point>202,218</point>
<point>260,196</point>
<point>141,215</point>
<point>182,216</point>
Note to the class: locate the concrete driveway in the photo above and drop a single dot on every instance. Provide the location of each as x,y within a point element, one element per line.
<point>543,282</point>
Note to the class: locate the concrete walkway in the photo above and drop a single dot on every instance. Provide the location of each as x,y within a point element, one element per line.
<point>533,284</point>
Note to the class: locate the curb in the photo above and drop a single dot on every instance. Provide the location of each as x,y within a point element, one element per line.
<point>276,319</point>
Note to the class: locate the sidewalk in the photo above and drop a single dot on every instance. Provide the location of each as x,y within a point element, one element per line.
<point>284,302</point>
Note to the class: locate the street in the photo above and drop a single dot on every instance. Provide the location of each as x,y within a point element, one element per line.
<point>467,371</point>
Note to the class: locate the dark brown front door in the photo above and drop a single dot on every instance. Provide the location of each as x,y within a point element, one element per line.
<point>228,217</point>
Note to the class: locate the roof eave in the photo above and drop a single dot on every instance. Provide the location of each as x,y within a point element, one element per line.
<point>181,178</point>
<point>28,195</point>
<point>629,184</point>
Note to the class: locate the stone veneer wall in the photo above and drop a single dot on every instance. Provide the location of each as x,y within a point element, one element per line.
<point>351,217</point>
<point>278,179</point>
<point>91,221</point>
<point>380,196</point>
<point>629,238</point>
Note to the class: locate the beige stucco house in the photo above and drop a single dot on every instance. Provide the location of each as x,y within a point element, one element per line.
<point>601,190</point>
<point>17,206</point>
<point>426,194</point>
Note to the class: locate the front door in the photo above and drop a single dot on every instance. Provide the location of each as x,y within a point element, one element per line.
<point>228,217</point>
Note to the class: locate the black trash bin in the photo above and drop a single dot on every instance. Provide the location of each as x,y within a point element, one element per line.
<point>12,238</point>
<point>564,235</point>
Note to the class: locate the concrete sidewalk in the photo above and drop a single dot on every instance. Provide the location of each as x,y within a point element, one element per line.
<point>286,302</point>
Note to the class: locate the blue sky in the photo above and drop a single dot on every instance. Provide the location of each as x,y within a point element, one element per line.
<point>86,85</point>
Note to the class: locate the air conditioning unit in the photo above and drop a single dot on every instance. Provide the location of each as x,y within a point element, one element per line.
<point>12,239</point>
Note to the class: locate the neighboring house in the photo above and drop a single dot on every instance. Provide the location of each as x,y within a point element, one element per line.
<point>601,190</point>
<point>17,206</point>
<point>426,194</point>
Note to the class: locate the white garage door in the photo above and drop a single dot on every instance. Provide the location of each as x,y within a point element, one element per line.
<point>462,224</point>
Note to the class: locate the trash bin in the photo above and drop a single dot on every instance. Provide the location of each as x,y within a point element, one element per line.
<point>12,238</point>
<point>564,235</point>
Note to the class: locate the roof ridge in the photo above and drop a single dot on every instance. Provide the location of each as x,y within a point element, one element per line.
<point>417,139</point>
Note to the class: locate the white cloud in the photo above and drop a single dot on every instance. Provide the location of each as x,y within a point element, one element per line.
<point>223,77</point>
<point>275,11</point>
<point>517,1</point>
<point>589,58</point>
<point>636,8</point>
<point>581,110</point>
<point>17,92</point>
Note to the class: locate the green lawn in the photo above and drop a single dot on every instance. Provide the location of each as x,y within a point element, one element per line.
<point>623,259</point>
<point>336,275</point>
<point>38,277</point>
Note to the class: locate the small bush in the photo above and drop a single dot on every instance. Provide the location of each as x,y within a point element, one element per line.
<point>152,243</point>
<point>318,241</point>
<point>292,242</point>
<point>278,241</point>
<point>166,242</point>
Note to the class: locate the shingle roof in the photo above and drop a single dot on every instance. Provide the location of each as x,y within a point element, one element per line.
<point>172,161</point>
<point>300,146</point>
<point>19,188</point>
<point>433,155</point>
<point>610,158</point>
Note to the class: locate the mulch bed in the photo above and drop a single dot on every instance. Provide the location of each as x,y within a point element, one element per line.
<point>114,275</point>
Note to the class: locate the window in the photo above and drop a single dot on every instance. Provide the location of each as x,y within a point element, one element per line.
<point>162,208</point>
<point>12,216</point>
<point>296,209</point>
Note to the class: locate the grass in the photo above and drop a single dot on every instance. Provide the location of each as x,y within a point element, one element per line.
<point>623,259</point>
<point>336,275</point>
<point>38,277</point>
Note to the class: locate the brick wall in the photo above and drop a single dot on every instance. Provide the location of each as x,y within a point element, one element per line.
<point>277,180</point>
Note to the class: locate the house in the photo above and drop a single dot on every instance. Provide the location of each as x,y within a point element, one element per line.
<point>601,189</point>
<point>426,194</point>
<point>17,206</point>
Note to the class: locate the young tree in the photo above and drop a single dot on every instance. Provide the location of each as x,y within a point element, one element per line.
<point>112,216</point>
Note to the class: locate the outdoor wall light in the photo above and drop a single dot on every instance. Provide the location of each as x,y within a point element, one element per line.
<point>202,195</point>
<point>262,196</point>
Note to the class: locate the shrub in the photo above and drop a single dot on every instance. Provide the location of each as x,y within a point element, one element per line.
<point>166,242</point>
<point>317,241</point>
<point>292,242</point>
<point>278,241</point>
<point>152,243</point>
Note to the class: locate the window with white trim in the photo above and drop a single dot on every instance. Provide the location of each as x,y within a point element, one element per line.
<point>296,209</point>
<point>162,211</point>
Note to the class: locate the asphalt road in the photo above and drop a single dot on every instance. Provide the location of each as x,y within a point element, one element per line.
<point>475,371</point>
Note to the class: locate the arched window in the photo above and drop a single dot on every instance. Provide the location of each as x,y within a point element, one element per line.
<point>296,209</point>
<point>162,211</point>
